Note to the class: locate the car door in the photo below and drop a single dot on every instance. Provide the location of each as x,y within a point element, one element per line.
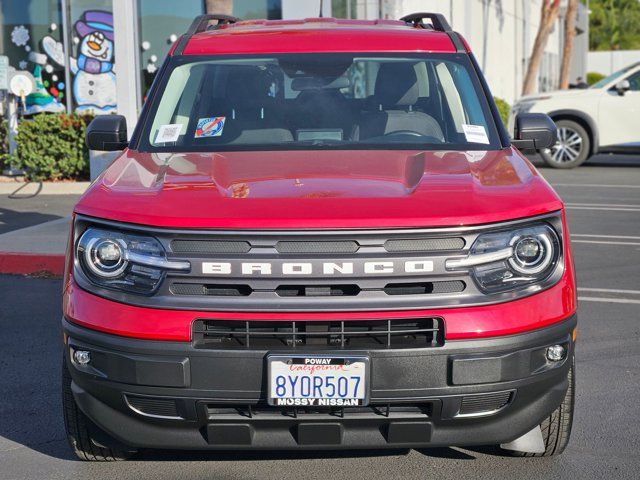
<point>618,114</point>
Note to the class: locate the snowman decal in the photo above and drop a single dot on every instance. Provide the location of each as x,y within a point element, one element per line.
<point>94,83</point>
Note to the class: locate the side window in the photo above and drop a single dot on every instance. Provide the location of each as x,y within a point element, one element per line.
<point>634,81</point>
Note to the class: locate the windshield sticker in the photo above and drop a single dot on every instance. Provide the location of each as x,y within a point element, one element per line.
<point>210,127</point>
<point>168,133</point>
<point>475,134</point>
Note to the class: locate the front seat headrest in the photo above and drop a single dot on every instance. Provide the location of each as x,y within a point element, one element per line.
<point>396,85</point>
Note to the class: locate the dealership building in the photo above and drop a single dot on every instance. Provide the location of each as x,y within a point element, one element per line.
<point>57,41</point>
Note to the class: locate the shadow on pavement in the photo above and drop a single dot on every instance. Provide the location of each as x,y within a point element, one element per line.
<point>248,456</point>
<point>14,219</point>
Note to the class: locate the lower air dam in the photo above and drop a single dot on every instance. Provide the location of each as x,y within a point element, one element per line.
<point>317,402</point>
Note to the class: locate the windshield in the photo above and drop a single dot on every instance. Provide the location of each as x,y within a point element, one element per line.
<point>614,76</point>
<point>319,101</point>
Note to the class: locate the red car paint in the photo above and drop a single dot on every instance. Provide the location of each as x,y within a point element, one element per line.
<point>367,189</point>
<point>331,189</point>
<point>326,35</point>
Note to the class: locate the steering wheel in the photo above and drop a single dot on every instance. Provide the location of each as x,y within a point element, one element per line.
<point>404,132</point>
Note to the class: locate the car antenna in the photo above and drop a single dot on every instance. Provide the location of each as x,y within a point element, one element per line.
<point>320,9</point>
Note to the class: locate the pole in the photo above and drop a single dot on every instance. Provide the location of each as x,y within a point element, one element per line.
<point>66,43</point>
<point>127,54</point>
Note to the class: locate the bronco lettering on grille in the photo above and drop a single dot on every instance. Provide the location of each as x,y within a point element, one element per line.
<point>308,268</point>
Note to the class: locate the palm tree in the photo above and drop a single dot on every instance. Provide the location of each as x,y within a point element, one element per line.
<point>548,16</point>
<point>569,36</point>
<point>219,6</point>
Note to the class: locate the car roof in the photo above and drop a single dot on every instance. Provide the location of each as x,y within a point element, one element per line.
<point>317,35</point>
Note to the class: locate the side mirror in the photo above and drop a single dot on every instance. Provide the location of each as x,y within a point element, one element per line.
<point>622,87</point>
<point>107,132</point>
<point>534,131</point>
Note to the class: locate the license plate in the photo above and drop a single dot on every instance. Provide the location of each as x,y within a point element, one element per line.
<point>318,381</point>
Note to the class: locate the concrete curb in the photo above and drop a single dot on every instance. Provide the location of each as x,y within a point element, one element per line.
<point>39,249</point>
<point>31,263</point>
<point>31,189</point>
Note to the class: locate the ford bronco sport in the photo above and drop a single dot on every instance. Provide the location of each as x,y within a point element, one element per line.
<point>319,236</point>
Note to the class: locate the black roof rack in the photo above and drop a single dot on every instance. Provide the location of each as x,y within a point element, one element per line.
<point>201,24</point>
<point>438,21</point>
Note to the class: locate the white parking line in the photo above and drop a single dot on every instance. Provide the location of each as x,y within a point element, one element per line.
<point>622,237</point>
<point>608,300</point>
<point>609,290</point>
<point>613,205</point>
<point>606,209</point>
<point>601,242</point>
<point>592,185</point>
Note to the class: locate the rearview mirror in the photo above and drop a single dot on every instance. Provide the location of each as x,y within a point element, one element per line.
<point>107,132</point>
<point>622,87</point>
<point>534,131</point>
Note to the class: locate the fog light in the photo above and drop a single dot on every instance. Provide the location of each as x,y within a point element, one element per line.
<point>82,357</point>
<point>555,353</point>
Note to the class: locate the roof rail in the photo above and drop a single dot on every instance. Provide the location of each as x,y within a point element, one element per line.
<point>201,24</point>
<point>438,21</point>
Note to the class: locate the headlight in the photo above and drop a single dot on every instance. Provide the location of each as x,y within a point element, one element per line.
<point>511,260</point>
<point>123,261</point>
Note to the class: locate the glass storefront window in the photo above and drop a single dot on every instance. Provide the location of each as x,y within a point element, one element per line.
<point>25,29</point>
<point>161,23</point>
<point>269,9</point>
<point>91,59</point>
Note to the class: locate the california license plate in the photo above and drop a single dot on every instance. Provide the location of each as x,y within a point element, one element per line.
<point>318,380</point>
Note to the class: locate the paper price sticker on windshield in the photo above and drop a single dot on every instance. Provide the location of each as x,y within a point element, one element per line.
<point>210,127</point>
<point>168,133</point>
<point>475,134</point>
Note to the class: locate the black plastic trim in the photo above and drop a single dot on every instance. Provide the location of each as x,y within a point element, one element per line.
<point>199,25</point>
<point>457,42</point>
<point>535,394</point>
<point>439,21</point>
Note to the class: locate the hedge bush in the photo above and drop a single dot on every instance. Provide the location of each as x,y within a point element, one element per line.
<point>503,108</point>
<point>594,77</point>
<point>4,145</point>
<point>51,147</point>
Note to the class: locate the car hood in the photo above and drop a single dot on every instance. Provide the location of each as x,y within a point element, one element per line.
<point>571,93</point>
<point>318,189</point>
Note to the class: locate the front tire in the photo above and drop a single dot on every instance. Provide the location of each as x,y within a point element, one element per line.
<point>572,149</point>
<point>556,428</point>
<point>82,433</point>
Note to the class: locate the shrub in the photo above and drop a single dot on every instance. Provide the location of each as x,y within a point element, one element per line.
<point>594,77</point>
<point>4,144</point>
<point>503,108</point>
<point>51,147</point>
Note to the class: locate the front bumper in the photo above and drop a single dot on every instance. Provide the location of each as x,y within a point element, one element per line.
<point>151,394</point>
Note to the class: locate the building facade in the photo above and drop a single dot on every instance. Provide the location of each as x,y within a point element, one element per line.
<point>102,55</point>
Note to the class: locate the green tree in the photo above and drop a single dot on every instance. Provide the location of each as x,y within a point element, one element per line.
<point>614,25</point>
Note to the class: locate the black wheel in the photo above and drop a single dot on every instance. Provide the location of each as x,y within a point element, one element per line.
<point>573,146</point>
<point>82,433</point>
<point>556,428</point>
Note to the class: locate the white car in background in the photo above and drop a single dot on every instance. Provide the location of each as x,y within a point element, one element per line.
<point>604,118</point>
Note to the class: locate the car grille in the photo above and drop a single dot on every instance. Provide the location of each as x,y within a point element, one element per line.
<point>354,334</point>
<point>153,407</point>
<point>316,291</point>
<point>484,404</point>
<point>311,271</point>
<point>261,410</point>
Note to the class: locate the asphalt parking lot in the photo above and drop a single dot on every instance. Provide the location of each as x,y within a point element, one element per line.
<point>603,202</point>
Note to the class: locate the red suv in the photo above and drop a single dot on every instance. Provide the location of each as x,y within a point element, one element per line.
<point>320,236</point>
